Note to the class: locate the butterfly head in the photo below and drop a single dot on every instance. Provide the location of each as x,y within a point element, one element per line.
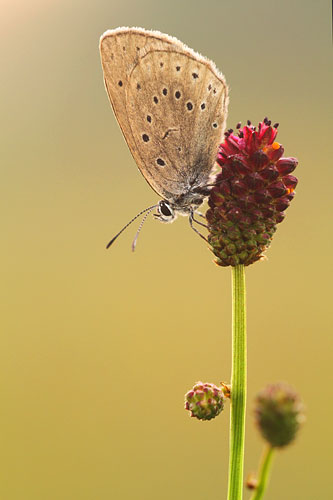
<point>165,212</point>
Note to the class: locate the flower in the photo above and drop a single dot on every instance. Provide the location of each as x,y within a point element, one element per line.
<point>279,413</point>
<point>204,401</point>
<point>250,194</point>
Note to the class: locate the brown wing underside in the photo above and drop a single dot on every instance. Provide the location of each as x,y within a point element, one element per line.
<point>170,103</point>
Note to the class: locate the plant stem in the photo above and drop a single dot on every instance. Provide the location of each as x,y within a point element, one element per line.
<point>264,472</point>
<point>238,385</point>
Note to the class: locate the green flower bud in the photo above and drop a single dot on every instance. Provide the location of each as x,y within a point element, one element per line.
<point>279,413</point>
<point>204,401</point>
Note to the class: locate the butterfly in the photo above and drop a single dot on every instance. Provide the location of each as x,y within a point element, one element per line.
<point>171,105</point>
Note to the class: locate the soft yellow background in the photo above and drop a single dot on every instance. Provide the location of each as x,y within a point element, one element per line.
<point>98,347</point>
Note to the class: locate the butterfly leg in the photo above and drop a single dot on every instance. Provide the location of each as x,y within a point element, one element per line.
<point>191,219</point>
<point>198,222</point>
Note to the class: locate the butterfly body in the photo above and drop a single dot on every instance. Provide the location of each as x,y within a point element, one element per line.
<point>171,104</point>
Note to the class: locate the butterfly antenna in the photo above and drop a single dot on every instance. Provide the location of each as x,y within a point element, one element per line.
<point>140,227</point>
<point>149,209</point>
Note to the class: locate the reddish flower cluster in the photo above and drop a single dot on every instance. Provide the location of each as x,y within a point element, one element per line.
<point>251,193</point>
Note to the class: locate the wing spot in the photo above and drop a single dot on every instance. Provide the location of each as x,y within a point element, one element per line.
<point>160,162</point>
<point>120,83</point>
<point>209,87</point>
<point>178,68</point>
<point>145,138</point>
<point>138,86</point>
<point>155,99</point>
<point>149,118</point>
<point>161,64</point>
<point>177,94</point>
<point>203,105</point>
<point>179,148</point>
<point>189,106</point>
<point>164,91</point>
<point>214,125</point>
<point>138,48</point>
<point>195,75</point>
<point>124,48</point>
<point>214,91</point>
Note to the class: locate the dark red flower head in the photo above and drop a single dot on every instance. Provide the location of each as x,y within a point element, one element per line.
<point>251,193</point>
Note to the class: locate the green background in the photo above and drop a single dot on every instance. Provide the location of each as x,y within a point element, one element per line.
<point>98,347</point>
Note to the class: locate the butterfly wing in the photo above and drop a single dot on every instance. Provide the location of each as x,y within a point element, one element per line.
<point>171,105</point>
<point>176,108</point>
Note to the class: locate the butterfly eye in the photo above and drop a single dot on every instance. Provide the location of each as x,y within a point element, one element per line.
<point>164,208</point>
<point>166,213</point>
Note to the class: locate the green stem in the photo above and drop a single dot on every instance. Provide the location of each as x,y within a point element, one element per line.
<point>264,472</point>
<point>238,385</point>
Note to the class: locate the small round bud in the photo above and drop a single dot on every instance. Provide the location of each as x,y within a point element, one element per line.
<point>251,482</point>
<point>204,401</point>
<point>279,413</point>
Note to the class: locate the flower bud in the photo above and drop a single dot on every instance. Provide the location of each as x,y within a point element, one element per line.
<point>279,413</point>
<point>254,186</point>
<point>251,482</point>
<point>204,401</point>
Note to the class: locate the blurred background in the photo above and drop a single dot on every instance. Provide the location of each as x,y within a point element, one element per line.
<point>98,347</point>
